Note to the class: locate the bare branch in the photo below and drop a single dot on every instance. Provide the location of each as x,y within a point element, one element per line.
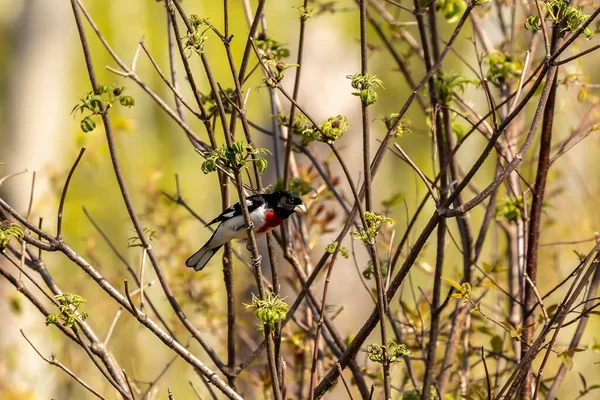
<point>52,361</point>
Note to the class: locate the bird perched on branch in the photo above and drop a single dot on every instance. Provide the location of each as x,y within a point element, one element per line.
<point>267,211</point>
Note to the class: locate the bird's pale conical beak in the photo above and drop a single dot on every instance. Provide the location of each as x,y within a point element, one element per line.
<point>301,208</point>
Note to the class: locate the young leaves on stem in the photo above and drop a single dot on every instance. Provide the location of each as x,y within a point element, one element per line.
<point>68,306</point>
<point>234,157</point>
<point>269,311</point>
<point>91,102</point>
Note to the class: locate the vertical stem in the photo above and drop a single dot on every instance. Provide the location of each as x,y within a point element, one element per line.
<point>248,48</point>
<point>227,254</point>
<point>442,131</point>
<point>290,136</point>
<point>461,319</point>
<point>365,112</point>
<point>381,296</point>
<point>230,289</point>
<point>171,39</point>
<point>535,217</point>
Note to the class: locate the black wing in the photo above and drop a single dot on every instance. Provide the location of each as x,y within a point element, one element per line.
<point>235,210</point>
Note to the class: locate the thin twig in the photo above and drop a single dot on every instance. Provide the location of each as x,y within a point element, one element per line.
<point>52,361</point>
<point>487,375</point>
<point>344,381</point>
<point>132,306</point>
<point>537,296</point>
<point>576,56</point>
<point>11,175</point>
<point>544,29</point>
<point>121,388</point>
<point>418,171</point>
<point>196,391</point>
<point>178,97</point>
<point>118,315</point>
<point>128,384</point>
<point>142,269</point>
<point>132,75</point>
<point>23,244</point>
<point>64,194</point>
<point>521,81</point>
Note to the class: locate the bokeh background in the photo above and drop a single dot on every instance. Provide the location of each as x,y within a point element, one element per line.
<point>42,76</point>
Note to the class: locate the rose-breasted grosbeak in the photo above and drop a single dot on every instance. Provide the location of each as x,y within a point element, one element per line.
<point>267,211</point>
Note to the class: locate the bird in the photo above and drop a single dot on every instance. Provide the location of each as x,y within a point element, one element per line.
<point>267,211</point>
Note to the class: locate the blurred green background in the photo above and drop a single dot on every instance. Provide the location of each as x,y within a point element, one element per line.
<point>42,77</point>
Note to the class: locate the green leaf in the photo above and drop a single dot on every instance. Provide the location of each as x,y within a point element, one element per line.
<point>447,83</point>
<point>582,94</point>
<point>510,210</point>
<point>269,311</point>
<point>487,267</point>
<point>393,352</point>
<point>305,13</point>
<point>295,185</point>
<point>453,283</point>
<point>365,85</point>
<point>102,88</point>
<point>270,48</point>
<point>502,66</point>
<point>332,129</point>
<point>233,157</point>
<point>395,200</point>
<point>568,361</point>
<point>134,241</point>
<point>8,230</point>
<point>533,23</point>
<point>375,221</point>
<point>497,344</point>
<point>451,9</point>
<point>330,248</point>
<point>301,126</point>
<point>68,305</point>
<point>390,120</point>
<point>15,304</point>
<point>127,101</point>
<point>507,325</point>
<point>261,164</point>
<point>475,309</point>
<point>579,255</point>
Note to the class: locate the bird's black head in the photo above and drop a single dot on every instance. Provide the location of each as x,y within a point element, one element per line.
<point>286,203</point>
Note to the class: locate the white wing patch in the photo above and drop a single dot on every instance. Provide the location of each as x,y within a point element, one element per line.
<point>229,214</point>
<point>249,203</point>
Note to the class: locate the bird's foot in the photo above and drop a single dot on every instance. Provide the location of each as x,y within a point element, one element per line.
<point>250,226</point>
<point>256,262</point>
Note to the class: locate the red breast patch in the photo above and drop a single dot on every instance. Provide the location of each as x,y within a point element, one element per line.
<point>272,220</point>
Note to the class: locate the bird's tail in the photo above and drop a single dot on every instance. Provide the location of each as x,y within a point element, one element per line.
<point>200,258</point>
